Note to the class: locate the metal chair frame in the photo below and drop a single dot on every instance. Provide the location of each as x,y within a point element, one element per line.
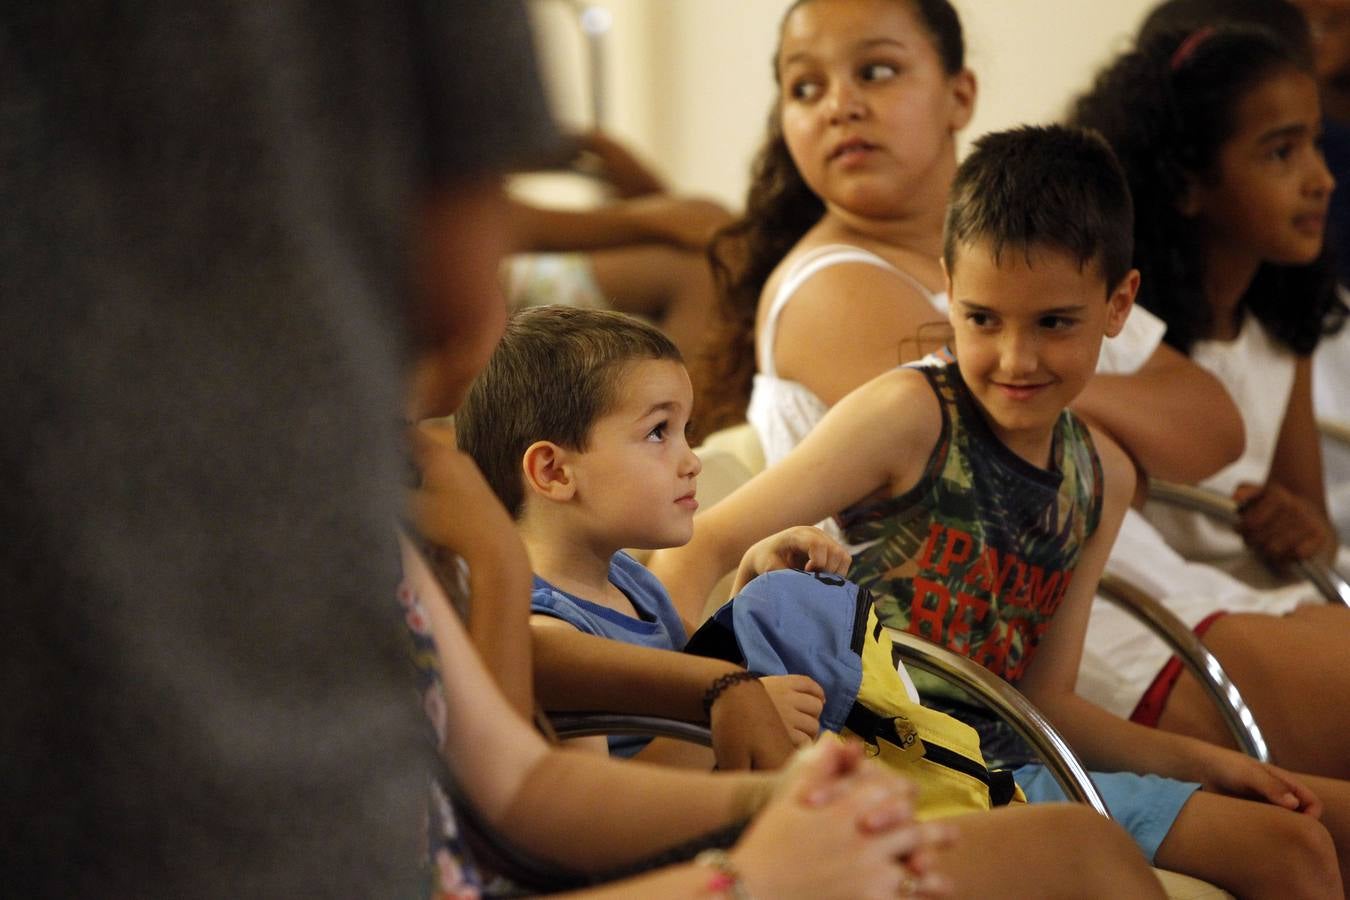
<point>1008,703</point>
<point>1329,583</point>
<point>1205,666</point>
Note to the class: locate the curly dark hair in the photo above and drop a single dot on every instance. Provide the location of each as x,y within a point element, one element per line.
<point>1280,17</point>
<point>779,210</point>
<point>1167,112</point>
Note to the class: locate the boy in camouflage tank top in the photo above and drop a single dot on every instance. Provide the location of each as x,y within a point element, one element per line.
<point>982,510</point>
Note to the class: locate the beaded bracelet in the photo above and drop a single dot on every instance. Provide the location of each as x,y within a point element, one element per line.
<point>720,686</point>
<point>726,880</point>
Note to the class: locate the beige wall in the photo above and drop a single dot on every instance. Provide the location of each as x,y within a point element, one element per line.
<point>690,84</point>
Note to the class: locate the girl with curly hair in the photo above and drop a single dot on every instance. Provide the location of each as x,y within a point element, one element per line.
<point>1217,129</point>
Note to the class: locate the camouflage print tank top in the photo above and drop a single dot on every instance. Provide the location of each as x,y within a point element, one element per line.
<point>978,555</point>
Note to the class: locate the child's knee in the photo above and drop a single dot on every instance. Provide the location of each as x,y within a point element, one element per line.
<point>1104,837</point>
<point>1309,866</point>
<point>1106,860</point>
<point>1090,834</point>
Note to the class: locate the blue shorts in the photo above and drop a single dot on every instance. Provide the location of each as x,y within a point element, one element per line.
<point>1144,805</point>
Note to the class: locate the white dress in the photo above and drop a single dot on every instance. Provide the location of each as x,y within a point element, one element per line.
<point>781,410</point>
<point>1331,400</point>
<point>1121,658</point>
<point>1259,375</point>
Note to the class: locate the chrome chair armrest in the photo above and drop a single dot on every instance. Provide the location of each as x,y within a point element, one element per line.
<point>1329,583</point>
<point>1197,499</point>
<point>1008,703</point>
<point>590,724</point>
<point>1195,656</point>
<point>1337,431</point>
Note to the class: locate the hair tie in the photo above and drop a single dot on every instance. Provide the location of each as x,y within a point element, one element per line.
<point>1188,46</point>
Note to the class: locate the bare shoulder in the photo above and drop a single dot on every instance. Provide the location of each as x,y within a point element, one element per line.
<point>902,393</point>
<point>1118,470</point>
<point>853,294</point>
<point>898,413</point>
<point>847,323</point>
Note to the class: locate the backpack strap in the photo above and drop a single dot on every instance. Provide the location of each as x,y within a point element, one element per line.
<point>716,639</point>
<point>898,730</point>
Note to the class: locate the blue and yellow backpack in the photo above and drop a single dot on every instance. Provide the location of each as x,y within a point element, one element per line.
<point>788,622</point>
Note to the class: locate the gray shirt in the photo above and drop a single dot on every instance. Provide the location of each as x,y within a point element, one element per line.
<point>203,290</point>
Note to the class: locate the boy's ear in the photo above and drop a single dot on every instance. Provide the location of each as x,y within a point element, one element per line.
<point>963,90</point>
<point>547,472</point>
<point>1120,302</point>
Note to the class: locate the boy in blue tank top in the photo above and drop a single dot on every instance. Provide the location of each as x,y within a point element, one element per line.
<point>578,423</point>
<point>981,510</point>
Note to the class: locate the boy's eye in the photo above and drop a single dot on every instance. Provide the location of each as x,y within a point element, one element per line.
<point>878,71</point>
<point>980,319</point>
<point>804,89</point>
<point>1058,323</point>
<point>659,432</point>
<point>1282,151</point>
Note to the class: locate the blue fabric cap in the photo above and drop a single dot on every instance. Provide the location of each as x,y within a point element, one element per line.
<point>787,621</point>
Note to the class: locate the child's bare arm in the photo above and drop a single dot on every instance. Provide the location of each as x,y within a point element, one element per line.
<point>627,174</point>
<point>802,547</point>
<point>660,218</point>
<point>836,829</point>
<point>1286,518</point>
<point>751,726</point>
<point>876,440</point>
<point>454,508</point>
<point>1146,410</point>
<point>1105,741</point>
<point>547,798</point>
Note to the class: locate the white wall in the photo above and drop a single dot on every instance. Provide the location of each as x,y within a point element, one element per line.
<point>690,81</point>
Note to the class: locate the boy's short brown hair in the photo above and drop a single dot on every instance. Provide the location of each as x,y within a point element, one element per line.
<point>555,372</point>
<point>1053,186</point>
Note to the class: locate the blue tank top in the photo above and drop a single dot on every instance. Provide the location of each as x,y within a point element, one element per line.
<point>658,624</point>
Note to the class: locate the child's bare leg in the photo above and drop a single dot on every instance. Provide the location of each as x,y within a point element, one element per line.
<point>1335,797</point>
<point>669,285</point>
<point>1252,850</point>
<point>1291,671</point>
<point>1046,851</point>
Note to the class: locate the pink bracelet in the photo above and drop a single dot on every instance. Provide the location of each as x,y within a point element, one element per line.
<point>726,880</point>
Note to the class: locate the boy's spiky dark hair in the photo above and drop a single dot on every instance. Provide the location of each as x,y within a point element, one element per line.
<point>1043,186</point>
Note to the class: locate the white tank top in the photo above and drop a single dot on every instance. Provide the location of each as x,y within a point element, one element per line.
<point>783,411</point>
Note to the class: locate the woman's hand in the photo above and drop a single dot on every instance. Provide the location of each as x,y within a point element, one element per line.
<point>610,160</point>
<point>454,507</point>
<point>851,828</point>
<point>803,547</point>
